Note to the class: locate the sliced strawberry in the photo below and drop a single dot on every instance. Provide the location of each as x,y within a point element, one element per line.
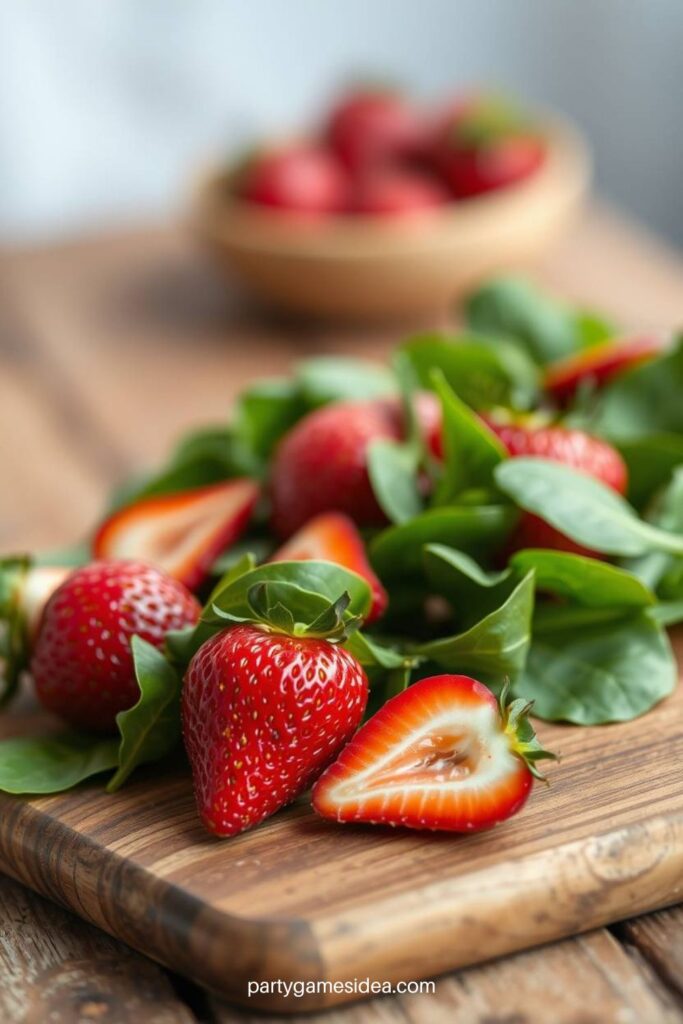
<point>333,537</point>
<point>441,755</point>
<point>183,533</point>
<point>599,364</point>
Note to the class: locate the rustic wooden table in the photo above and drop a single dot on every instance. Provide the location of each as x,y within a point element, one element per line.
<point>110,347</point>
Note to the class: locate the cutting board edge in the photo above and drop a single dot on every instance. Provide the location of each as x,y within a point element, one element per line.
<point>441,926</point>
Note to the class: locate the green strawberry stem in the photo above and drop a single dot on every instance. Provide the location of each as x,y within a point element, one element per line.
<point>523,739</point>
<point>331,623</point>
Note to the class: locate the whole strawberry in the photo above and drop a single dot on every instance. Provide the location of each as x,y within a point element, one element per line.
<point>575,448</point>
<point>321,465</point>
<point>264,712</point>
<point>81,663</point>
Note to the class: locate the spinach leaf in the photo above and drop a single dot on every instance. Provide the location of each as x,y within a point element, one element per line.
<point>644,400</point>
<point>482,370</point>
<point>496,646</point>
<point>396,552</point>
<point>585,581</point>
<point>51,764</point>
<point>599,672</point>
<point>340,378</point>
<point>651,459</point>
<point>151,728</point>
<point>472,451</point>
<point>393,468</point>
<point>263,414</point>
<point>581,508</point>
<point>515,308</point>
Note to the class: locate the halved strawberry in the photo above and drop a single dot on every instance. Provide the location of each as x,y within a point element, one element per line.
<point>182,533</point>
<point>599,364</point>
<point>443,754</point>
<point>333,537</point>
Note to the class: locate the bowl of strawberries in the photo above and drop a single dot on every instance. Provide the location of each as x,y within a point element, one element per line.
<point>391,209</point>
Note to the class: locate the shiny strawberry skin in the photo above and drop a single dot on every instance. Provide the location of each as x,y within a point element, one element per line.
<point>333,537</point>
<point>299,178</point>
<point>321,465</point>
<point>368,128</point>
<point>445,763</point>
<point>574,448</point>
<point>81,663</point>
<point>599,364</point>
<point>391,191</point>
<point>263,715</point>
<point>473,171</point>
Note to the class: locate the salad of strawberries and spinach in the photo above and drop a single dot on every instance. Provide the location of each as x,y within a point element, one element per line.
<point>368,579</point>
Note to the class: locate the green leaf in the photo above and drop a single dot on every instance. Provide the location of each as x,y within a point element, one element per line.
<point>341,378</point>
<point>660,570</point>
<point>604,672</point>
<point>667,613</point>
<point>585,581</point>
<point>54,763</point>
<point>454,574</point>
<point>396,552</point>
<point>581,508</point>
<point>151,728</point>
<point>650,460</point>
<point>373,654</point>
<point>496,646</point>
<point>393,469</point>
<point>516,308</point>
<point>263,414</point>
<point>472,451</point>
<point>13,634</point>
<point>311,582</point>
<point>644,400</point>
<point>482,370</point>
<point>591,328</point>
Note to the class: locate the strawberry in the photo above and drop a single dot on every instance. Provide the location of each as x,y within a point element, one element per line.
<point>183,533</point>
<point>397,191</point>
<point>24,591</point>
<point>333,537</point>
<point>442,754</point>
<point>81,663</point>
<point>599,364</point>
<point>301,177</point>
<point>264,711</point>
<point>526,437</point>
<point>370,127</point>
<point>321,464</point>
<point>485,144</point>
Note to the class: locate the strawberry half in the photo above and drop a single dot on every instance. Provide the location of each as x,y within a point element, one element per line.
<point>441,755</point>
<point>332,537</point>
<point>599,364</point>
<point>264,711</point>
<point>82,664</point>
<point>182,533</point>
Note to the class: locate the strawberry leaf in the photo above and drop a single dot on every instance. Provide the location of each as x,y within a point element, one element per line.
<point>151,728</point>
<point>51,764</point>
<point>581,508</point>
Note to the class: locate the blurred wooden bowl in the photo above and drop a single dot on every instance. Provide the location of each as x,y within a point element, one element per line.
<point>374,267</point>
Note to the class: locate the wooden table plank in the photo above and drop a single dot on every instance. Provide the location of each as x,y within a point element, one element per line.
<point>659,937</point>
<point>591,980</point>
<point>56,968</point>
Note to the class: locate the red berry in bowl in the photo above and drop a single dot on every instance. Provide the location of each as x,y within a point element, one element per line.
<point>371,127</point>
<point>396,191</point>
<point>303,178</point>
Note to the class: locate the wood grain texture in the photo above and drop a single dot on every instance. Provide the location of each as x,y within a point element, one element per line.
<point>55,968</point>
<point>659,938</point>
<point>108,349</point>
<point>299,898</point>
<point>589,980</point>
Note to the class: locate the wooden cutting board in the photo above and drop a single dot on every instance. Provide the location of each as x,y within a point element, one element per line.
<point>303,899</point>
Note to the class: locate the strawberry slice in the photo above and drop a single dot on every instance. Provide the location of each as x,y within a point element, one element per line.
<point>599,364</point>
<point>182,533</point>
<point>333,537</point>
<point>443,754</point>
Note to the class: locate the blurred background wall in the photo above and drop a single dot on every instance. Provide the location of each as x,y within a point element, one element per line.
<point>106,108</point>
